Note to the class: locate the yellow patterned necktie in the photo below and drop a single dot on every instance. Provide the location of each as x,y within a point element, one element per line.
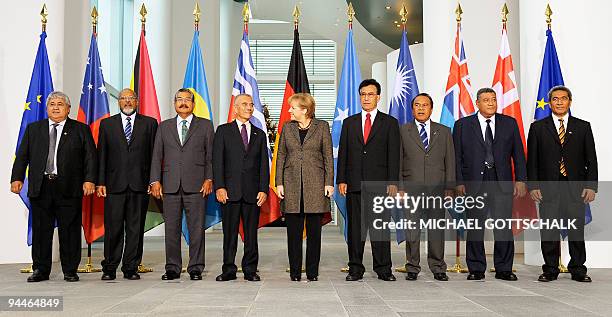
<point>562,169</point>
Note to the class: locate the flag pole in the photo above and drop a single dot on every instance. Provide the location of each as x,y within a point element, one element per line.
<point>43,19</point>
<point>143,12</point>
<point>88,268</point>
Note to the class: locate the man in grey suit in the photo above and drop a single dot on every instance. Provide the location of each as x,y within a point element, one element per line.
<point>427,165</point>
<point>181,175</point>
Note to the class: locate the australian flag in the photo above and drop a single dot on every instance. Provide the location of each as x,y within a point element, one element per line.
<point>405,84</point>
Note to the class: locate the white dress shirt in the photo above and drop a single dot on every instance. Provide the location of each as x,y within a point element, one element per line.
<point>248,128</point>
<point>60,128</point>
<point>427,127</point>
<point>363,118</point>
<point>179,125</point>
<point>483,125</point>
<point>132,120</point>
<point>558,124</point>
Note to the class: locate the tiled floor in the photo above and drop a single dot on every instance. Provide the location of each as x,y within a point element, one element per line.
<point>276,295</point>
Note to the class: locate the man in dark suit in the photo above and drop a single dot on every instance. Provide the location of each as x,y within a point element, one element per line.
<point>125,145</point>
<point>485,144</point>
<point>368,152</point>
<point>241,177</point>
<point>427,164</point>
<point>182,164</point>
<point>562,169</point>
<point>60,156</point>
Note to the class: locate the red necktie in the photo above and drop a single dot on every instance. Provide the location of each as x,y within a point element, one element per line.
<point>366,128</point>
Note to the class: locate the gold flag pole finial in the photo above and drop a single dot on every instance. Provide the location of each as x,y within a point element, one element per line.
<point>246,13</point>
<point>94,19</point>
<point>351,14</point>
<point>548,14</point>
<point>404,14</point>
<point>196,14</point>
<point>504,13</point>
<point>43,14</point>
<point>143,14</point>
<point>296,16</point>
<point>458,12</point>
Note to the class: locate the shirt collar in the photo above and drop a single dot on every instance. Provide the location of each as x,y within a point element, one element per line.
<point>189,119</point>
<point>481,118</point>
<point>239,123</point>
<point>372,113</point>
<point>61,123</point>
<point>427,123</point>
<point>565,118</point>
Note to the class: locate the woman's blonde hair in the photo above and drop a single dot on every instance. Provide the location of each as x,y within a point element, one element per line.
<point>304,101</point>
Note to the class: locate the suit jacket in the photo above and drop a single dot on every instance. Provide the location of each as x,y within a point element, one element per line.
<point>310,165</point>
<point>123,165</point>
<point>376,160</point>
<point>545,153</point>
<point>434,166</point>
<point>188,165</point>
<point>470,152</point>
<point>242,172</point>
<point>76,158</point>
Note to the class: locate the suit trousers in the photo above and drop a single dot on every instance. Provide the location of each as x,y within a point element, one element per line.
<point>295,231</point>
<point>498,205</point>
<point>48,207</point>
<point>435,243</point>
<point>564,204</point>
<point>232,213</point>
<point>124,214</point>
<point>194,206</point>
<point>359,224</point>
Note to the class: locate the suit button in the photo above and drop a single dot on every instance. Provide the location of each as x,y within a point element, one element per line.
<point>365,152</point>
<point>481,173</point>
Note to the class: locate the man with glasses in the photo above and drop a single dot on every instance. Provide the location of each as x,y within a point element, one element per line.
<point>181,175</point>
<point>125,145</point>
<point>60,156</point>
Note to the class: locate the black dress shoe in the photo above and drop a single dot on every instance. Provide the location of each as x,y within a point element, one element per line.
<point>476,276</point>
<point>296,278</point>
<point>131,276</point>
<point>225,277</point>
<point>170,275</point>
<point>254,277</point>
<point>581,278</point>
<point>108,276</point>
<point>411,276</point>
<point>506,276</point>
<point>353,278</point>
<point>312,279</point>
<point>441,277</point>
<point>547,277</point>
<point>71,277</point>
<point>389,277</point>
<point>37,276</point>
<point>195,276</point>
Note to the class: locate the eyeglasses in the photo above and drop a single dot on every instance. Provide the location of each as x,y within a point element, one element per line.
<point>180,99</point>
<point>421,105</point>
<point>557,99</point>
<point>369,95</point>
<point>126,98</point>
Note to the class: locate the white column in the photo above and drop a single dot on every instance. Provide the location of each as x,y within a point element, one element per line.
<point>417,52</point>
<point>379,72</point>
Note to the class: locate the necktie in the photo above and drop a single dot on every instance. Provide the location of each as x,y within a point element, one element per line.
<point>128,129</point>
<point>489,159</point>
<point>562,169</point>
<point>183,131</point>
<point>424,137</point>
<point>245,138</point>
<point>367,127</point>
<point>51,156</point>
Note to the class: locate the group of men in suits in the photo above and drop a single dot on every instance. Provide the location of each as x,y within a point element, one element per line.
<point>482,156</point>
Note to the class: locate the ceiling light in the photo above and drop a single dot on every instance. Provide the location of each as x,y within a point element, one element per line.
<point>388,7</point>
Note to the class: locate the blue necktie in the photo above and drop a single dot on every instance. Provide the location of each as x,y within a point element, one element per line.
<point>183,131</point>
<point>128,129</point>
<point>423,134</point>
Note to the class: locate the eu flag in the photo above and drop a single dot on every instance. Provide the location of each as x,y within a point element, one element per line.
<point>405,85</point>
<point>35,109</point>
<point>347,104</point>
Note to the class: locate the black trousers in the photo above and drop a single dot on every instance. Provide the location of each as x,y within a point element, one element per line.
<point>49,206</point>
<point>359,224</point>
<point>124,214</point>
<point>561,201</point>
<point>498,205</point>
<point>295,230</point>
<point>232,213</point>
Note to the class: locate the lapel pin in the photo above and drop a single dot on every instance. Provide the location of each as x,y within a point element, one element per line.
<point>65,133</point>
<point>570,132</point>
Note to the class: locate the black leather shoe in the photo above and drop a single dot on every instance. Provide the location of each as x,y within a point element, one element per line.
<point>254,277</point>
<point>131,276</point>
<point>312,279</point>
<point>581,278</point>
<point>71,277</point>
<point>296,278</point>
<point>195,276</point>
<point>411,276</point>
<point>476,276</point>
<point>170,275</point>
<point>547,277</point>
<point>353,278</point>
<point>37,276</point>
<point>225,277</point>
<point>389,277</point>
<point>108,276</point>
<point>506,276</point>
<point>441,277</point>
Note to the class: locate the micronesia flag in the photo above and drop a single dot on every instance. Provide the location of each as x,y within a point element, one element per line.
<point>347,104</point>
<point>551,76</point>
<point>35,109</point>
<point>405,84</point>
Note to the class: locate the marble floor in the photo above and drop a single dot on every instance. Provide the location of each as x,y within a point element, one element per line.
<point>276,295</point>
